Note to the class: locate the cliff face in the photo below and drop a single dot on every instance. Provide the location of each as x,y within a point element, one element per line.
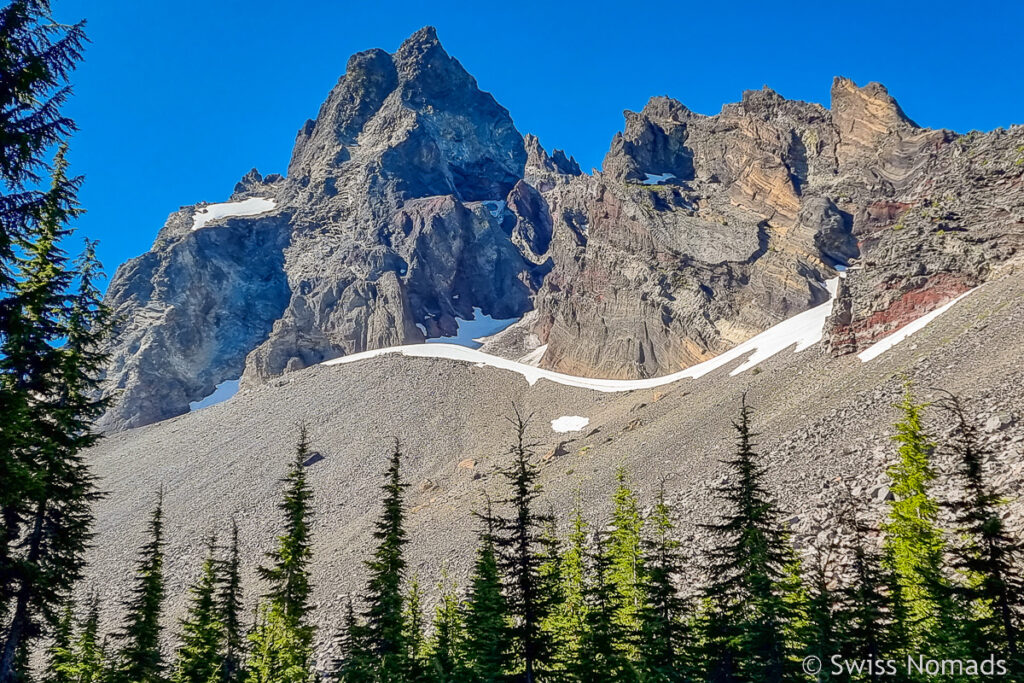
<point>412,199</point>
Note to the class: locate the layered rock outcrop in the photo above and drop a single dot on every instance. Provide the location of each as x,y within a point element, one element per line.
<point>412,200</point>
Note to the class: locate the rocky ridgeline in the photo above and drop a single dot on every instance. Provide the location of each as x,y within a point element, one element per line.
<point>412,199</point>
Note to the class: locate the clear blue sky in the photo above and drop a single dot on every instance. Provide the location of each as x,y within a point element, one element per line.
<point>176,100</point>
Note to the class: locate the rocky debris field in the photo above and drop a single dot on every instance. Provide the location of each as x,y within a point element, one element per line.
<point>824,424</point>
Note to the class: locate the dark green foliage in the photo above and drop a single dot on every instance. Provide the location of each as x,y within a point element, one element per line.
<point>568,618</point>
<point>602,655</point>
<point>519,541</point>
<point>383,638</point>
<point>486,612</point>
<point>663,632</point>
<point>446,660</point>
<point>352,665</point>
<point>198,659</point>
<point>988,557</point>
<point>747,590</point>
<point>140,659</point>
<point>59,656</point>
<point>415,640</point>
<point>81,658</point>
<point>626,559</point>
<point>282,642</point>
<point>229,612</point>
<point>48,369</point>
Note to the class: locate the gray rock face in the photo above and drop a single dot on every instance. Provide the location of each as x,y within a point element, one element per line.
<point>412,199</point>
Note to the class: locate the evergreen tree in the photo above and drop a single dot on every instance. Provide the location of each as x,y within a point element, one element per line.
<point>748,587</point>
<point>819,629</point>
<point>486,612</point>
<point>384,631</point>
<point>229,612</point>
<point>198,658</point>
<point>914,544</point>
<point>282,642</point>
<point>519,542</point>
<point>37,56</point>
<point>414,638</point>
<point>626,557</point>
<point>48,370</point>
<point>447,663</point>
<point>663,628</point>
<point>989,558</point>
<point>550,585</point>
<point>60,658</point>
<point>352,664</point>
<point>602,656</point>
<point>90,652</point>
<point>568,618</point>
<point>140,659</point>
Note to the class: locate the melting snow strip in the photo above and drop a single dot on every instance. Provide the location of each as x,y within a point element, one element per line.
<point>802,331</point>
<point>883,345</point>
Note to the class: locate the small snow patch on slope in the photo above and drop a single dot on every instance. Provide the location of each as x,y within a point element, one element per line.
<point>569,423</point>
<point>653,179</point>
<point>801,331</point>
<point>883,345</point>
<point>247,207</point>
<point>223,392</point>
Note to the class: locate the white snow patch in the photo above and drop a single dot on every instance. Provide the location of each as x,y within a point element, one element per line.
<point>569,423</point>
<point>801,331</point>
<point>247,207</point>
<point>473,333</point>
<point>495,206</point>
<point>653,179</point>
<point>423,328</point>
<point>223,392</point>
<point>883,345</point>
<point>534,357</point>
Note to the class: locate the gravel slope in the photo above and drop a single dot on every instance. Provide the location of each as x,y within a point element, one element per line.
<point>824,421</point>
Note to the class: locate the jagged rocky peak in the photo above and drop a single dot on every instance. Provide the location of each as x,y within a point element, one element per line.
<point>653,143</point>
<point>864,117</point>
<point>419,118</point>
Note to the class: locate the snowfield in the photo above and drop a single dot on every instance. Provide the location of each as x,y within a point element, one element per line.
<point>247,207</point>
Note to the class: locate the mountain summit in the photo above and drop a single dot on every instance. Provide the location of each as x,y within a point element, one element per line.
<point>412,202</point>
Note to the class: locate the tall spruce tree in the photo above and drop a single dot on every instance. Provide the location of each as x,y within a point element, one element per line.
<point>140,659</point>
<point>519,541</point>
<point>664,635</point>
<point>198,659</point>
<point>602,655</point>
<point>748,568</point>
<point>446,654</point>
<point>568,616</point>
<point>625,554</point>
<point>37,56</point>
<point>486,612</point>
<point>229,612</point>
<point>384,632</point>
<point>48,369</point>
<point>282,642</point>
<point>914,543</point>
<point>989,557</point>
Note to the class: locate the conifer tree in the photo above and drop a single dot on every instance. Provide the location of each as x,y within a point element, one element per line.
<point>198,659</point>
<point>48,370</point>
<point>282,642</point>
<point>229,612</point>
<point>568,618</point>
<point>662,617</point>
<point>140,659</point>
<point>90,652</point>
<point>384,631</point>
<point>447,663</point>
<point>519,543</point>
<point>626,558</point>
<point>914,544</point>
<point>819,629</point>
<point>602,656</point>
<point>989,557</point>
<point>486,612</point>
<point>352,665</point>
<point>60,658</point>
<point>415,640</point>
<point>37,56</point>
<point>748,573</point>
